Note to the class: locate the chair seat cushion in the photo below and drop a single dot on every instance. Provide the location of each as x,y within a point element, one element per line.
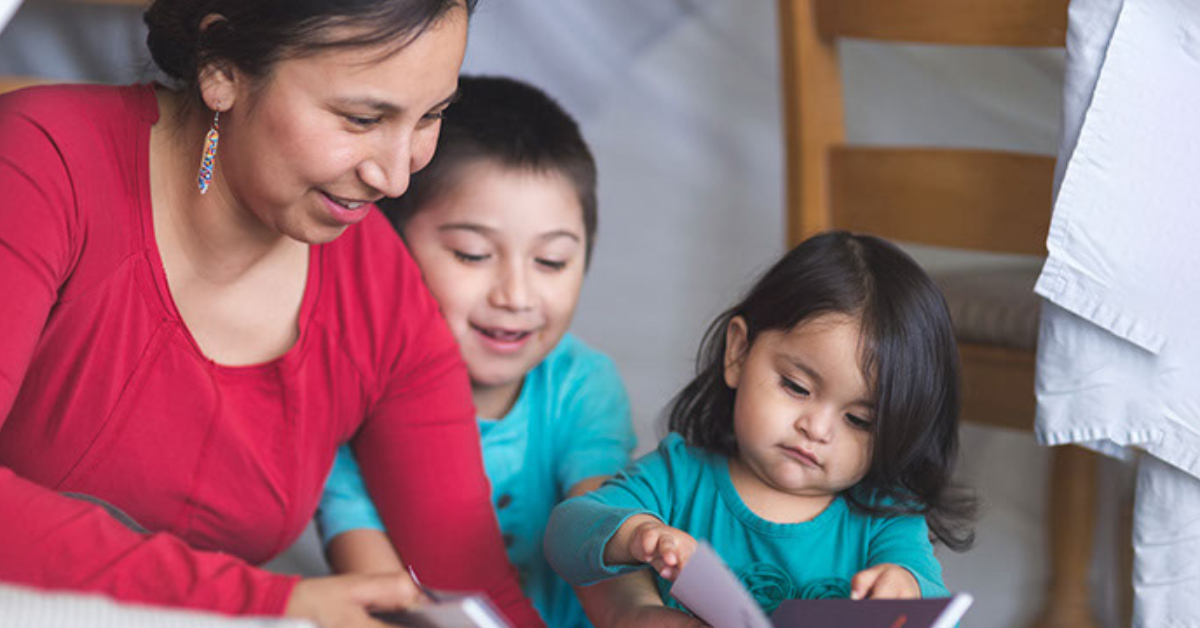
<point>993,305</point>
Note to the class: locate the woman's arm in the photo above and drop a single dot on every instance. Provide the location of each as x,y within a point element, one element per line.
<point>420,457</point>
<point>55,542</point>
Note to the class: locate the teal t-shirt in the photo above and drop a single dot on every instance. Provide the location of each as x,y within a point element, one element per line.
<point>690,489</point>
<point>570,422</point>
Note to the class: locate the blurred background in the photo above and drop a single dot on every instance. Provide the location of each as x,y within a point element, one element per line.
<point>680,101</point>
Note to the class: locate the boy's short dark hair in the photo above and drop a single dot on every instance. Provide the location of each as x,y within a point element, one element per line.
<point>513,125</point>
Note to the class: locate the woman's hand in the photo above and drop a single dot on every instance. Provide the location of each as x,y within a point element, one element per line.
<point>644,539</point>
<point>886,581</point>
<point>346,601</point>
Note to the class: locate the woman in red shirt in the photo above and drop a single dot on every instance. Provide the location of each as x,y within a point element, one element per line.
<point>191,345</point>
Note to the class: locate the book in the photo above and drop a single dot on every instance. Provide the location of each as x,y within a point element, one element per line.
<point>709,589</point>
<point>448,610</point>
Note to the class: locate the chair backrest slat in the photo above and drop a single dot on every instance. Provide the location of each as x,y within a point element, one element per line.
<point>972,199</point>
<point>955,22</point>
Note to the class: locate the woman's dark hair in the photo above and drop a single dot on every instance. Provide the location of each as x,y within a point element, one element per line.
<point>255,34</point>
<point>510,124</point>
<point>909,357</point>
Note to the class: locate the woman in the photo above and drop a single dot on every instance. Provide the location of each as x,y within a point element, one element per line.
<point>190,346</point>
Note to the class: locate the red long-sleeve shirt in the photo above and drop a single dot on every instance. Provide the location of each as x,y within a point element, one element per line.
<point>104,391</point>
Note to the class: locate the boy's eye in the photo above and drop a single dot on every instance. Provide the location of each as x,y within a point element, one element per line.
<point>859,422</point>
<point>435,115</point>
<point>793,387</point>
<point>469,258</point>
<point>362,121</point>
<point>551,264</point>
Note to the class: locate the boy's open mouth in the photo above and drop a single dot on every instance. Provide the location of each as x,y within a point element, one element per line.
<point>502,335</point>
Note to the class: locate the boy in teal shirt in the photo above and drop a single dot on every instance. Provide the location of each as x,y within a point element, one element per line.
<point>502,223</point>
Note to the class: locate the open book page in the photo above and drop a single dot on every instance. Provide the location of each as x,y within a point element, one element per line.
<point>449,610</point>
<point>709,589</point>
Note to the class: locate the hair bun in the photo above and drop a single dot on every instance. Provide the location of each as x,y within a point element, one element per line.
<point>172,38</point>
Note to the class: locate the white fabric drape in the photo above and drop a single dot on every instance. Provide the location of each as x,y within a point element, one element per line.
<point>1119,350</point>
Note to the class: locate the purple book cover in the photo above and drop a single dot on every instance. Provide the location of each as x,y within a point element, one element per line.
<point>938,612</point>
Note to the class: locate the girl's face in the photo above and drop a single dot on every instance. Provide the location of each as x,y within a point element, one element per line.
<point>803,412</point>
<point>307,150</point>
<point>503,252</point>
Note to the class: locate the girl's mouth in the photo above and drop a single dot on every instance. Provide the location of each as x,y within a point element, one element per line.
<point>803,457</point>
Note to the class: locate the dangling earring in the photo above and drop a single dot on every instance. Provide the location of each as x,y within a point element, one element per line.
<point>208,157</point>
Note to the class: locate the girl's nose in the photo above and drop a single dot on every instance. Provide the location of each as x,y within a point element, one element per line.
<point>817,424</point>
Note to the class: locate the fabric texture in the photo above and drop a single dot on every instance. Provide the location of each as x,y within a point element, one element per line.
<point>1118,345</point>
<point>104,392</point>
<point>690,489</point>
<point>570,423</point>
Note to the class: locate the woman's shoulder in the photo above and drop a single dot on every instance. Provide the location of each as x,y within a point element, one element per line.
<point>89,133</point>
<point>372,296</point>
<point>69,107</point>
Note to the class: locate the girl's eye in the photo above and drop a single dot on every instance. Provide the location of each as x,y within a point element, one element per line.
<point>469,258</point>
<point>859,422</point>
<point>793,387</point>
<point>363,122</point>
<point>550,264</point>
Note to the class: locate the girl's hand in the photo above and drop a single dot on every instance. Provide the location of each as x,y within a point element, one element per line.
<point>346,601</point>
<point>667,549</point>
<point>886,581</point>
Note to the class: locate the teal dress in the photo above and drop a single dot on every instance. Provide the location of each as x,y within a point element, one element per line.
<point>570,422</point>
<point>690,489</point>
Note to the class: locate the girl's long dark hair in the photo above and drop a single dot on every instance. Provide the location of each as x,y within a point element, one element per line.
<point>909,357</point>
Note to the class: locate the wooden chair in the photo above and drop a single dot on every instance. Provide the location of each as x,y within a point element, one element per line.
<point>965,199</point>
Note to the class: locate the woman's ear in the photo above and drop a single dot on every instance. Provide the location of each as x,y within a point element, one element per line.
<point>218,80</point>
<point>735,350</point>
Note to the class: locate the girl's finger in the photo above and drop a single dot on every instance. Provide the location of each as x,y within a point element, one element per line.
<point>863,582</point>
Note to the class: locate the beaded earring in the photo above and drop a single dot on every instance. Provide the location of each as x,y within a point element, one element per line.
<point>208,157</point>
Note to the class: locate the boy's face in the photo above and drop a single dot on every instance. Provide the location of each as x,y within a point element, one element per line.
<point>503,252</point>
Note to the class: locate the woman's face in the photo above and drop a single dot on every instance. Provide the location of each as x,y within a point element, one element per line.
<point>305,151</point>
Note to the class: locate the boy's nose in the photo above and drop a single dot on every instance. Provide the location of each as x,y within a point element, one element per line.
<point>512,290</point>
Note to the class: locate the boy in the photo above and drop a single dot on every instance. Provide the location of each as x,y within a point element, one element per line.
<point>502,223</point>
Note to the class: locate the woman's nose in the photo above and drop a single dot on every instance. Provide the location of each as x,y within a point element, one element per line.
<point>390,167</point>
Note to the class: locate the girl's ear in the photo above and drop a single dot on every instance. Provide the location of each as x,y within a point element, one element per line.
<point>735,350</point>
<point>218,80</point>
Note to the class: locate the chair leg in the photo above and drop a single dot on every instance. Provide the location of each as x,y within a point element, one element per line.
<point>1072,511</point>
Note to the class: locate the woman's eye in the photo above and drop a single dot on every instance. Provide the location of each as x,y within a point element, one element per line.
<point>363,122</point>
<point>793,387</point>
<point>469,258</point>
<point>551,264</point>
<point>859,422</point>
<point>435,115</point>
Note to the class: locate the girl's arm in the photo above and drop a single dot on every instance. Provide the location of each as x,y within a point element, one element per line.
<point>901,543</point>
<point>582,529</point>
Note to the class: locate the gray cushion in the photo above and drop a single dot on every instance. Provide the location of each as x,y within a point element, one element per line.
<point>993,305</point>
